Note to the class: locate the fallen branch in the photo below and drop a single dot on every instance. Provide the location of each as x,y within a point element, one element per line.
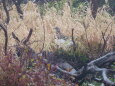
<point>93,67</point>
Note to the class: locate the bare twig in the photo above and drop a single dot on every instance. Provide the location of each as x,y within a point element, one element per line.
<point>29,43</point>
<point>89,46</point>
<point>104,44</point>
<point>74,44</point>
<point>17,4</point>
<point>105,39</point>
<point>28,37</point>
<point>6,11</point>
<point>15,37</point>
<point>44,35</point>
<point>6,38</point>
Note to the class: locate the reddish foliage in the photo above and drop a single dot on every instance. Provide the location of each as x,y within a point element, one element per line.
<point>13,74</point>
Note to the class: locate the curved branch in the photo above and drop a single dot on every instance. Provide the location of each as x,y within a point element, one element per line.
<point>6,11</point>
<point>98,80</point>
<point>15,37</point>
<point>6,38</point>
<point>106,79</point>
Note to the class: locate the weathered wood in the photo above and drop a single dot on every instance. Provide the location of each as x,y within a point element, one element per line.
<point>93,67</point>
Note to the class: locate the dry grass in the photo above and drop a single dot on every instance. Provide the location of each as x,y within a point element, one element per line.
<point>84,26</point>
<point>51,19</point>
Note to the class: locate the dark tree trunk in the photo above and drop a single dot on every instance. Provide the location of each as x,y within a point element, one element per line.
<point>94,7</point>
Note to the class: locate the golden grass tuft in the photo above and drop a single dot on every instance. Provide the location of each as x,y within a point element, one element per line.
<point>51,19</point>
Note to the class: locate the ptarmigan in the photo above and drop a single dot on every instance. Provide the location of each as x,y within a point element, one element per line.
<point>62,41</point>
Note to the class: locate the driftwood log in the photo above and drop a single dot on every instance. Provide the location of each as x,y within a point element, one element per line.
<point>93,67</point>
